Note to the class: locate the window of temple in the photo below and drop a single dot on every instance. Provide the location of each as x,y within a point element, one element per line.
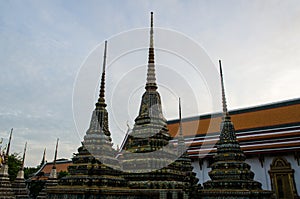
<point>282,179</point>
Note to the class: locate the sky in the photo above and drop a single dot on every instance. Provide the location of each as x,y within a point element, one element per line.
<point>46,46</point>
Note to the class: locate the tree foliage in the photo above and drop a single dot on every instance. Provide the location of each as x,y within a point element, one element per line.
<point>30,171</point>
<point>14,165</point>
<point>62,174</point>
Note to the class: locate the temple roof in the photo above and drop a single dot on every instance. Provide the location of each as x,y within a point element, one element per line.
<point>44,172</point>
<point>261,129</point>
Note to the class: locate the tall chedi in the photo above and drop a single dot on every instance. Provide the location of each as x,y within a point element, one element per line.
<point>231,176</point>
<point>95,171</point>
<point>147,155</point>
<point>6,191</point>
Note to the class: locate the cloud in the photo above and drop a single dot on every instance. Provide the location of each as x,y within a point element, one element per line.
<point>43,44</point>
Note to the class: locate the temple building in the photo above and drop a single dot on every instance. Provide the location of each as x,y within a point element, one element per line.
<point>247,153</point>
<point>268,134</point>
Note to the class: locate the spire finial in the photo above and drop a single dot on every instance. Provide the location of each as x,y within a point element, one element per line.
<point>151,31</point>
<point>55,154</point>
<point>225,112</point>
<point>101,100</point>
<point>151,80</point>
<point>8,145</point>
<point>104,57</point>
<point>181,144</point>
<point>23,160</point>
<point>44,157</point>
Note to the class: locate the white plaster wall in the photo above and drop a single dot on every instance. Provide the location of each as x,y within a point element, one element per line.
<point>261,173</point>
<point>202,175</point>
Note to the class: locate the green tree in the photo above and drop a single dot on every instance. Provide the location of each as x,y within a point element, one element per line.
<point>62,174</point>
<point>30,171</point>
<point>35,187</point>
<point>14,165</point>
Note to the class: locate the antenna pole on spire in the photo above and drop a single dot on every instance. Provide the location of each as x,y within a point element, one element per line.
<point>8,145</point>
<point>225,111</point>
<point>101,100</point>
<point>104,57</point>
<point>151,32</point>
<point>55,155</point>
<point>23,160</point>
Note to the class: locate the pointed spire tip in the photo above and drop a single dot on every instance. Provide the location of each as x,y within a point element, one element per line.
<point>224,103</point>
<point>23,159</point>
<point>104,56</point>
<point>101,100</point>
<point>151,79</point>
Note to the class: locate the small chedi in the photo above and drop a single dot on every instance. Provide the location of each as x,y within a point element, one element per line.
<point>6,191</point>
<point>231,176</point>
<point>52,180</point>
<point>184,163</point>
<point>19,185</point>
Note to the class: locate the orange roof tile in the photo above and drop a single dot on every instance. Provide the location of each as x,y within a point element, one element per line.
<point>270,127</point>
<point>254,118</point>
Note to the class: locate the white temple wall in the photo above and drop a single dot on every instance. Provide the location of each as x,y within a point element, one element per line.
<point>261,172</point>
<point>201,174</point>
<point>294,164</point>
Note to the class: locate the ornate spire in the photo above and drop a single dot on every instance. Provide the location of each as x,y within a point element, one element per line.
<point>55,154</point>
<point>151,80</point>
<point>99,121</point>
<point>225,112</point>
<point>8,145</point>
<point>150,108</point>
<point>227,127</point>
<point>101,99</point>
<point>23,160</point>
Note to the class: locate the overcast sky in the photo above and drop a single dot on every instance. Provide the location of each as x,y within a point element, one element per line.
<point>46,44</point>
